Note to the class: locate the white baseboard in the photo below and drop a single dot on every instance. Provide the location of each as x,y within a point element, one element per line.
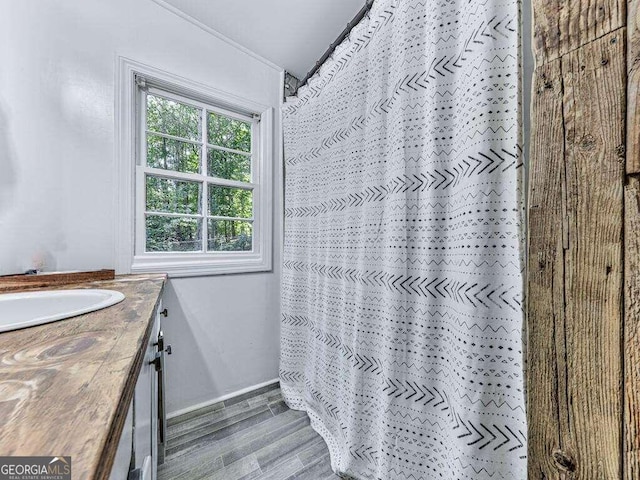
<point>198,406</point>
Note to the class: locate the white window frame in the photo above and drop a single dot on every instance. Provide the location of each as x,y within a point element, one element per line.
<point>133,79</point>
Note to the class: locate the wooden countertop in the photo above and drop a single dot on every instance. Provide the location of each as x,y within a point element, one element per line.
<point>65,387</point>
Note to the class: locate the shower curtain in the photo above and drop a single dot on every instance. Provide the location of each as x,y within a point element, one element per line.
<point>402,282</point>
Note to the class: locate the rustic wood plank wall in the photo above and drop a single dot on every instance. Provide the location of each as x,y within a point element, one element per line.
<point>561,26</point>
<point>546,268</point>
<point>631,457</point>
<point>631,427</point>
<point>633,69</point>
<point>584,249</point>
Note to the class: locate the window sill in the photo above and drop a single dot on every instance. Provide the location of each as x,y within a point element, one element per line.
<point>199,266</point>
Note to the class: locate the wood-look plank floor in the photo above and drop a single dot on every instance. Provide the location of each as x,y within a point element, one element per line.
<point>252,436</point>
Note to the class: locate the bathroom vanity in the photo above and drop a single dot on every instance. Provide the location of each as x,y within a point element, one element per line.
<point>88,387</point>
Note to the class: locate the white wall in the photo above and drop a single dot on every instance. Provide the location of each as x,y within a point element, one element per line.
<point>57,77</point>
<point>277,29</point>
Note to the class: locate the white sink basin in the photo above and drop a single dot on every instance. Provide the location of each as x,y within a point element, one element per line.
<point>26,309</point>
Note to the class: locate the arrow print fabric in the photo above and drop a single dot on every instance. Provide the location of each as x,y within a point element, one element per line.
<point>402,282</point>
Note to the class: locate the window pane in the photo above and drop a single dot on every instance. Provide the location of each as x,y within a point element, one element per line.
<point>230,202</point>
<point>229,133</point>
<point>173,118</point>
<point>230,236</point>
<point>231,166</point>
<point>172,154</point>
<point>173,234</point>
<point>173,196</point>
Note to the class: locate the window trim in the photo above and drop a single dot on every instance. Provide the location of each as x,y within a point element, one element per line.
<point>129,141</point>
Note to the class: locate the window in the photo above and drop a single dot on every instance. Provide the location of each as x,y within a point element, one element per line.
<point>201,181</point>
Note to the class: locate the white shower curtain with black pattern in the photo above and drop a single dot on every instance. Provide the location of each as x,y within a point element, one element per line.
<point>402,282</point>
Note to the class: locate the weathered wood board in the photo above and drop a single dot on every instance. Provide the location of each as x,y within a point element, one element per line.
<point>576,269</point>
<point>43,280</point>
<point>633,90</point>
<point>561,26</point>
<point>594,113</point>
<point>631,458</point>
<point>546,268</point>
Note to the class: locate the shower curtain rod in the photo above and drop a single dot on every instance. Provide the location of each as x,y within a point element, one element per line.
<point>345,33</point>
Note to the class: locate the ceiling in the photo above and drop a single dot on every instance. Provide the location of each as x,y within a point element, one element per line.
<point>293,34</point>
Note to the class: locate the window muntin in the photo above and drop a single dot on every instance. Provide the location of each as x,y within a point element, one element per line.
<point>199,163</point>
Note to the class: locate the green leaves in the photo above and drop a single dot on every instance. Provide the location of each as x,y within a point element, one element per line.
<point>232,166</point>
<point>170,154</point>
<point>173,234</point>
<point>173,196</point>
<point>229,133</point>
<point>175,211</point>
<point>173,118</point>
<point>230,236</point>
<point>230,202</point>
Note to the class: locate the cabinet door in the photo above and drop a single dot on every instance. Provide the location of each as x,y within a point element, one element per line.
<point>146,397</point>
<point>122,461</point>
<point>154,400</point>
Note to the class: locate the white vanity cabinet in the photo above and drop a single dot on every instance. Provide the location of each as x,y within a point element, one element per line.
<point>122,461</point>
<point>145,426</point>
<point>138,454</point>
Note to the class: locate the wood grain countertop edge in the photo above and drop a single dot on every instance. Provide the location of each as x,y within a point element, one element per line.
<point>110,447</point>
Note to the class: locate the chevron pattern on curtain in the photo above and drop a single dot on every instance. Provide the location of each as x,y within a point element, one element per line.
<point>402,281</point>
